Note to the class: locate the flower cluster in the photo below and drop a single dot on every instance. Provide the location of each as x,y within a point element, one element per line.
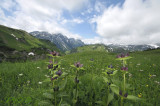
<point>122,55</point>
<point>54,53</point>
<point>124,68</point>
<point>78,65</point>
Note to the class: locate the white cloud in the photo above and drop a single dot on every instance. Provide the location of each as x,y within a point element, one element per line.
<point>136,22</point>
<point>73,21</point>
<point>99,6</point>
<point>78,21</point>
<point>43,15</point>
<point>7,4</point>
<point>96,40</point>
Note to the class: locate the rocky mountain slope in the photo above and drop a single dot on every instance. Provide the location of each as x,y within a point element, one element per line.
<point>61,41</point>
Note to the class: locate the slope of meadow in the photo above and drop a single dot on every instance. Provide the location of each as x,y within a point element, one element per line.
<point>24,83</point>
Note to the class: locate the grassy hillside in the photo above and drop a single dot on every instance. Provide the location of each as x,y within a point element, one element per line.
<point>20,40</point>
<point>14,42</point>
<point>141,81</point>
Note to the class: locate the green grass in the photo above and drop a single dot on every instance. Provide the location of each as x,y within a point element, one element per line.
<point>92,88</point>
<point>25,40</point>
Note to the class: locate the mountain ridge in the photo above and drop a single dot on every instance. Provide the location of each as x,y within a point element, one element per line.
<point>62,42</point>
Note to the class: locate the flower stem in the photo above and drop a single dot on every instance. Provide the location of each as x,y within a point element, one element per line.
<point>124,76</point>
<point>121,101</point>
<point>55,101</point>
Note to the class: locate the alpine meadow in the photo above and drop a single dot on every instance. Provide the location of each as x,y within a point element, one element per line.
<point>79,53</point>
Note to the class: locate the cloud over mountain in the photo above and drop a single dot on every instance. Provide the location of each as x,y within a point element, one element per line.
<point>136,22</point>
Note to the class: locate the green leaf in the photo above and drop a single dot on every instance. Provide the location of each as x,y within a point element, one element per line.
<point>50,55</point>
<point>105,79</point>
<point>124,58</point>
<point>114,72</point>
<point>115,89</point>
<point>131,97</point>
<point>48,95</point>
<point>55,76</point>
<point>73,66</point>
<point>45,103</point>
<point>63,84</point>
<point>110,97</point>
<point>64,73</point>
<point>104,73</point>
<point>100,102</point>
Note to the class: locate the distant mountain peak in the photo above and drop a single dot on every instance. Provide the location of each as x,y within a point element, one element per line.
<point>62,42</point>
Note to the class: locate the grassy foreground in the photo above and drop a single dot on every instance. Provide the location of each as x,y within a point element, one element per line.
<point>24,83</point>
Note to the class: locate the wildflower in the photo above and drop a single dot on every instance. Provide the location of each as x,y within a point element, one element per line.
<point>59,72</point>
<point>91,59</point>
<point>38,67</point>
<point>53,78</point>
<point>146,85</point>
<point>78,65</point>
<point>108,83</point>
<point>76,80</point>
<point>126,94</point>
<point>140,95</point>
<point>120,92</point>
<point>54,53</point>
<point>153,75</point>
<point>122,55</point>
<point>50,62</point>
<point>20,74</point>
<point>40,83</point>
<point>124,68</point>
<point>46,76</point>
<point>55,67</point>
<point>50,66</point>
<point>138,64</point>
<point>157,82</point>
<point>110,66</point>
<point>141,70</point>
<point>110,72</point>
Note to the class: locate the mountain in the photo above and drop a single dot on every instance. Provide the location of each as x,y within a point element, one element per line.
<point>16,43</point>
<point>91,47</point>
<point>131,48</point>
<point>61,41</point>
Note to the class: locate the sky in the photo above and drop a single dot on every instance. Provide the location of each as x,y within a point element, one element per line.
<point>92,21</point>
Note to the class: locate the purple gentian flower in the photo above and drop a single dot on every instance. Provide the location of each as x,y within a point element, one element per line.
<point>120,92</point>
<point>92,59</point>
<point>54,53</point>
<point>110,66</point>
<point>124,68</point>
<point>78,65</point>
<point>50,66</point>
<point>50,62</point>
<point>53,78</point>
<point>59,72</point>
<point>126,94</point>
<point>122,55</point>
